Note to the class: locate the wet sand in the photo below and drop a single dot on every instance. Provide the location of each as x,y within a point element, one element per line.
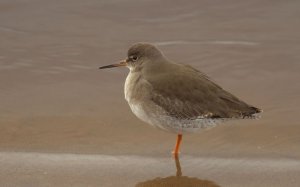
<point>61,115</point>
<point>41,169</point>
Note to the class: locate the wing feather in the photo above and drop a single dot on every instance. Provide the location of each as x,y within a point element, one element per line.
<point>187,93</point>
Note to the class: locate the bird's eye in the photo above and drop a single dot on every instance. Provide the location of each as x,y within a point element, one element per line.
<point>134,58</point>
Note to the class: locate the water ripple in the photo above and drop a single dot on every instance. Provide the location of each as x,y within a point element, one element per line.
<point>216,42</point>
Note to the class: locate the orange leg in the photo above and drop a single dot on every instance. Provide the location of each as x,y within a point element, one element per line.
<point>176,149</point>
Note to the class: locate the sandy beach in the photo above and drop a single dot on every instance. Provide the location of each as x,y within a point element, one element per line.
<point>64,122</point>
<point>48,169</point>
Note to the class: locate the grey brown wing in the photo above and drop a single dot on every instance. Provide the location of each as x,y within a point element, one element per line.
<point>193,95</point>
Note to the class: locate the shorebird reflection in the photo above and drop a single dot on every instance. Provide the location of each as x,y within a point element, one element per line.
<point>178,180</point>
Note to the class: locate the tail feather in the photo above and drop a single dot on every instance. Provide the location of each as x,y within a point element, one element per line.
<point>252,113</point>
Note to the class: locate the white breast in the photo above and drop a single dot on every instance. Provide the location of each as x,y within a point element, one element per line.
<point>130,86</point>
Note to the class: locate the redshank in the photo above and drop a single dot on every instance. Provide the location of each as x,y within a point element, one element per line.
<point>176,97</point>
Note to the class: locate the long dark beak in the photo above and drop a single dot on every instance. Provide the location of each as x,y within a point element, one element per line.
<point>122,63</point>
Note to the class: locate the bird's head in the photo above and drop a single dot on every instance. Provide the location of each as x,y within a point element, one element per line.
<point>139,55</point>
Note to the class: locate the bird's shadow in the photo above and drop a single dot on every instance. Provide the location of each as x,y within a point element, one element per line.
<point>177,180</point>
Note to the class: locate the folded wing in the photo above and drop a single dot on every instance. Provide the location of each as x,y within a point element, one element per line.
<point>187,93</point>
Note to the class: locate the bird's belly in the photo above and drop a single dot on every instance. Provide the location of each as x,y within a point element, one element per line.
<point>157,117</point>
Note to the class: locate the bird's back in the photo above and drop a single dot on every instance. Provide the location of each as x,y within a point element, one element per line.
<point>186,93</point>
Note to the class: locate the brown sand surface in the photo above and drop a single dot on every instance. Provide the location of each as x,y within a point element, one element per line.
<point>48,169</point>
<point>59,114</point>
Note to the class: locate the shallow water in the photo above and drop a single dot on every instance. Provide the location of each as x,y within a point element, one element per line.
<point>55,100</point>
<point>42,169</point>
